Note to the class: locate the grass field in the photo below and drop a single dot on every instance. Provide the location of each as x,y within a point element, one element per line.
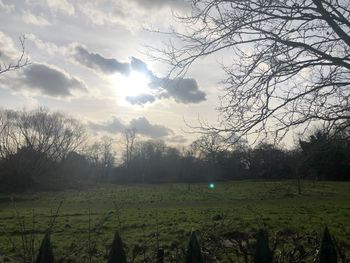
<point>139,212</point>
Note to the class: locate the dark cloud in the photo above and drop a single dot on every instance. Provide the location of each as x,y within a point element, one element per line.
<point>98,62</point>
<point>113,126</point>
<point>138,65</point>
<point>107,65</point>
<point>51,81</point>
<point>47,79</point>
<point>182,90</point>
<point>141,125</point>
<point>141,99</point>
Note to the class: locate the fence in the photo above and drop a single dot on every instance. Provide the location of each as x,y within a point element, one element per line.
<point>263,254</point>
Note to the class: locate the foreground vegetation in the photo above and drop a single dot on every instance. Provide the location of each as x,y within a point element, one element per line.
<point>89,218</point>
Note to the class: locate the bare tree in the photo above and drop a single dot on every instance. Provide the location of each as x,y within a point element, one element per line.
<point>32,140</point>
<point>210,145</point>
<point>19,63</point>
<point>102,156</point>
<point>93,152</point>
<point>289,61</point>
<point>129,135</point>
<point>108,155</point>
<point>9,136</point>
<point>4,124</point>
<point>52,134</point>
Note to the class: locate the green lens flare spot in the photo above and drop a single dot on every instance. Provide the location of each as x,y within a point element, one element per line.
<point>211,186</point>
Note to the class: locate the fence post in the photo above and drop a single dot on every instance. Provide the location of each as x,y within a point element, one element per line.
<point>193,254</point>
<point>328,252</point>
<point>160,256</point>
<point>117,253</point>
<point>262,250</point>
<point>45,252</point>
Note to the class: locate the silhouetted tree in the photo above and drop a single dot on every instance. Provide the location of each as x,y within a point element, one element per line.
<point>326,156</point>
<point>209,146</point>
<point>33,142</point>
<point>129,136</point>
<point>268,161</point>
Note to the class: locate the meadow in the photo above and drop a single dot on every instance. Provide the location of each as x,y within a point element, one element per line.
<point>164,215</point>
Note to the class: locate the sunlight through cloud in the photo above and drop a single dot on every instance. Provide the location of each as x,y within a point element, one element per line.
<point>134,84</point>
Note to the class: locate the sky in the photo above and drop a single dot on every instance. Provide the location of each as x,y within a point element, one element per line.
<point>90,59</point>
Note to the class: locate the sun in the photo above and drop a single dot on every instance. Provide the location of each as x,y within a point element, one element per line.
<point>134,84</point>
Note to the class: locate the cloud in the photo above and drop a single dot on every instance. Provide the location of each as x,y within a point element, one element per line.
<point>152,4</point>
<point>45,79</point>
<point>177,139</point>
<point>50,47</point>
<point>8,52</point>
<point>144,127</point>
<point>62,6</point>
<point>132,15</point>
<point>139,65</point>
<point>98,62</point>
<point>141,125</point>
<point>32,19</point>
<point>141,99</point>
<point>182,90</point>
<point>100,13</point>
<point>54,6</point>
<point>6,8</point>
<point>113,126</point>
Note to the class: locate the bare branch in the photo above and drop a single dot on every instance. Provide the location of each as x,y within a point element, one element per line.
<point>21,61</point>
<point>290,62</point>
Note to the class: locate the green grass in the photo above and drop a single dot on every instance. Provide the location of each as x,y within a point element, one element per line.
<point>174,210</point>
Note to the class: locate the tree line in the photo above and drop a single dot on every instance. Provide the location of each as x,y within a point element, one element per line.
<point>43,150</point>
